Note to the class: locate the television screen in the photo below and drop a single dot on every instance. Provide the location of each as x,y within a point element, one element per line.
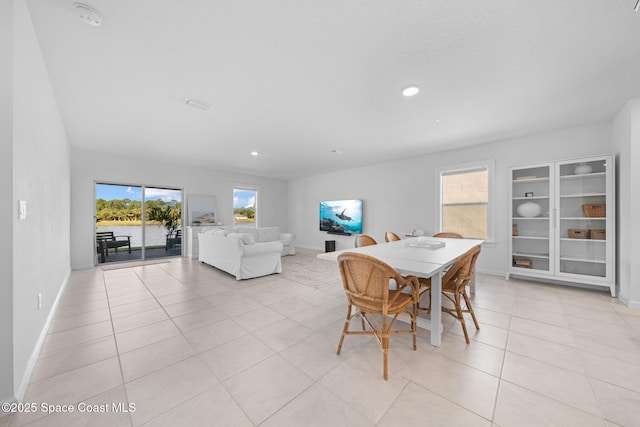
<point>341,216</point>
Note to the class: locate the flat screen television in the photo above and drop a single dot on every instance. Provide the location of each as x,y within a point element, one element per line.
<point>341,216</point>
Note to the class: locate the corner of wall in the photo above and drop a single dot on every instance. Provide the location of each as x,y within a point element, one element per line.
<point>6,193</point>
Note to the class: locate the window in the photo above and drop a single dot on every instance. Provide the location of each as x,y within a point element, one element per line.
<point>465,197</point>
<point>245,206</point>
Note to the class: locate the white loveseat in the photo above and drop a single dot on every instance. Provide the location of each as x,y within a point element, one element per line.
<point>239,253</point>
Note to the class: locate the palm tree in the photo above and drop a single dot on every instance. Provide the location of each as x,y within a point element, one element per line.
<point>168,216</point>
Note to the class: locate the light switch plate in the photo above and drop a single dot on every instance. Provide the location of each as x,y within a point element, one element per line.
<point>22,209</point>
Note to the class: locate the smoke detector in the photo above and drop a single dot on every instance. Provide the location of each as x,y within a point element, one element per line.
<point>88,14</point>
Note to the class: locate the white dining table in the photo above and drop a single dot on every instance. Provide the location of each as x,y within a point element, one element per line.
<point>419,257</point>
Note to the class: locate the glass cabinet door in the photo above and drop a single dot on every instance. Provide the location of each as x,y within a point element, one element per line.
<point>531,226</point>
<point>582,211</point>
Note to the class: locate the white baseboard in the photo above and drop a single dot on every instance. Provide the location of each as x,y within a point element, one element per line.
<point>629,303</point>
<point>502,274</point>
<point>26,377</point>
<point>75,267</point>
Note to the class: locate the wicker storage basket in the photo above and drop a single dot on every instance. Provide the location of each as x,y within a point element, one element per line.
<point>522,262</point>
<point>598,234</point>
<point>594,210</point>
<point>578,233</point>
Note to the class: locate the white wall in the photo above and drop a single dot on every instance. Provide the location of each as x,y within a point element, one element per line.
<point>626,143</point>
<point>87,167</point>
<point>400,196</point>
<point>40,177</point>
<point>6,194</point>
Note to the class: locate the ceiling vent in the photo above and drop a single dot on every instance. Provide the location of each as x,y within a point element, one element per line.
<point>197,104</point>
<point>88,14</point>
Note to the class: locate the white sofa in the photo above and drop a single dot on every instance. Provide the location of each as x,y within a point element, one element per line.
<point>270,234</point>
<point>239,254</point>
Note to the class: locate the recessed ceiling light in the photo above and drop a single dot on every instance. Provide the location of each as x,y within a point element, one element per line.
<point>336,151</point>
<point>410,90</point>
<point>88,14</point>
<point>255,153</point>
<point>197,104</point>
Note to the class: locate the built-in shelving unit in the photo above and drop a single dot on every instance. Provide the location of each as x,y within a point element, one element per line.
<point>570,237</point>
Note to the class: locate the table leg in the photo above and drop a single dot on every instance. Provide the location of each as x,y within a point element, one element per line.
<point>436,309</point>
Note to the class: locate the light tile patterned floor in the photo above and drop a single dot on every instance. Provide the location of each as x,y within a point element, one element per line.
<point>189,345</point>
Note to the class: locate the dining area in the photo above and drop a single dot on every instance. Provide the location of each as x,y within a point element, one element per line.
<point>404,280</point>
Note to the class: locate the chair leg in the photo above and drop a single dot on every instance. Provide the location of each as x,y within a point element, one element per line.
<point>461,317</point>
<point>386,361</point>
<point>385,347</point>
<point>347,320</point>
<point>414,325</point>
<point>428,309</point>
<point>470,308</point>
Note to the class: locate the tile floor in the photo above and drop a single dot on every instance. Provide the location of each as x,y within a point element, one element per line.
<point>187,345</point>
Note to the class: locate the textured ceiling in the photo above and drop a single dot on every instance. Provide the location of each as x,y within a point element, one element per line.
<point>295,79</point>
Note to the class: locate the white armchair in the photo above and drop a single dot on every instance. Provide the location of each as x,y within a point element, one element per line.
<point>287,240</point>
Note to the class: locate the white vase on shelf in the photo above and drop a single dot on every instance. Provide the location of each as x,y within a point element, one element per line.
<point>529,210</point>
<point>582,168</point>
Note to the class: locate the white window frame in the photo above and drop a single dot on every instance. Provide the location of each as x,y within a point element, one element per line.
<point>247,188</point>
<point>490,165</point>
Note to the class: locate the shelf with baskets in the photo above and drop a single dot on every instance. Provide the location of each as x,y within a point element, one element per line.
<point>565,229</point>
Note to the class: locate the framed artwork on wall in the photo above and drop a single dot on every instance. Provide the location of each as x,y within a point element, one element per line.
<point>202,209</point>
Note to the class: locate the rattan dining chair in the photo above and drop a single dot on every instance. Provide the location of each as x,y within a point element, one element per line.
<point>425,283</point>
<point>454,287</point>
<point>449,234</point>
<point>390,236</point>
<point>364,240</point>
<point>366,283</point>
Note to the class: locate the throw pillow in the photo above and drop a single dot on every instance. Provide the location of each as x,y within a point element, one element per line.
<point>248,239</point>
<point>245,238</point>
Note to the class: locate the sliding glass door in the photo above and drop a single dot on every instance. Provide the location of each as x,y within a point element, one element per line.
<point>163,229</point>
<point>135,222</point>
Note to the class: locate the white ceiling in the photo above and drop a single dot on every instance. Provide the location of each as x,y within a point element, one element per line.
<point>295,79</point>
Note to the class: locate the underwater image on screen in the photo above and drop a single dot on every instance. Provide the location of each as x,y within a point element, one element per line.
<point>341,216</point>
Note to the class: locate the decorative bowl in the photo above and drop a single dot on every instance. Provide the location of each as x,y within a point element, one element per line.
<point>529,209</point>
